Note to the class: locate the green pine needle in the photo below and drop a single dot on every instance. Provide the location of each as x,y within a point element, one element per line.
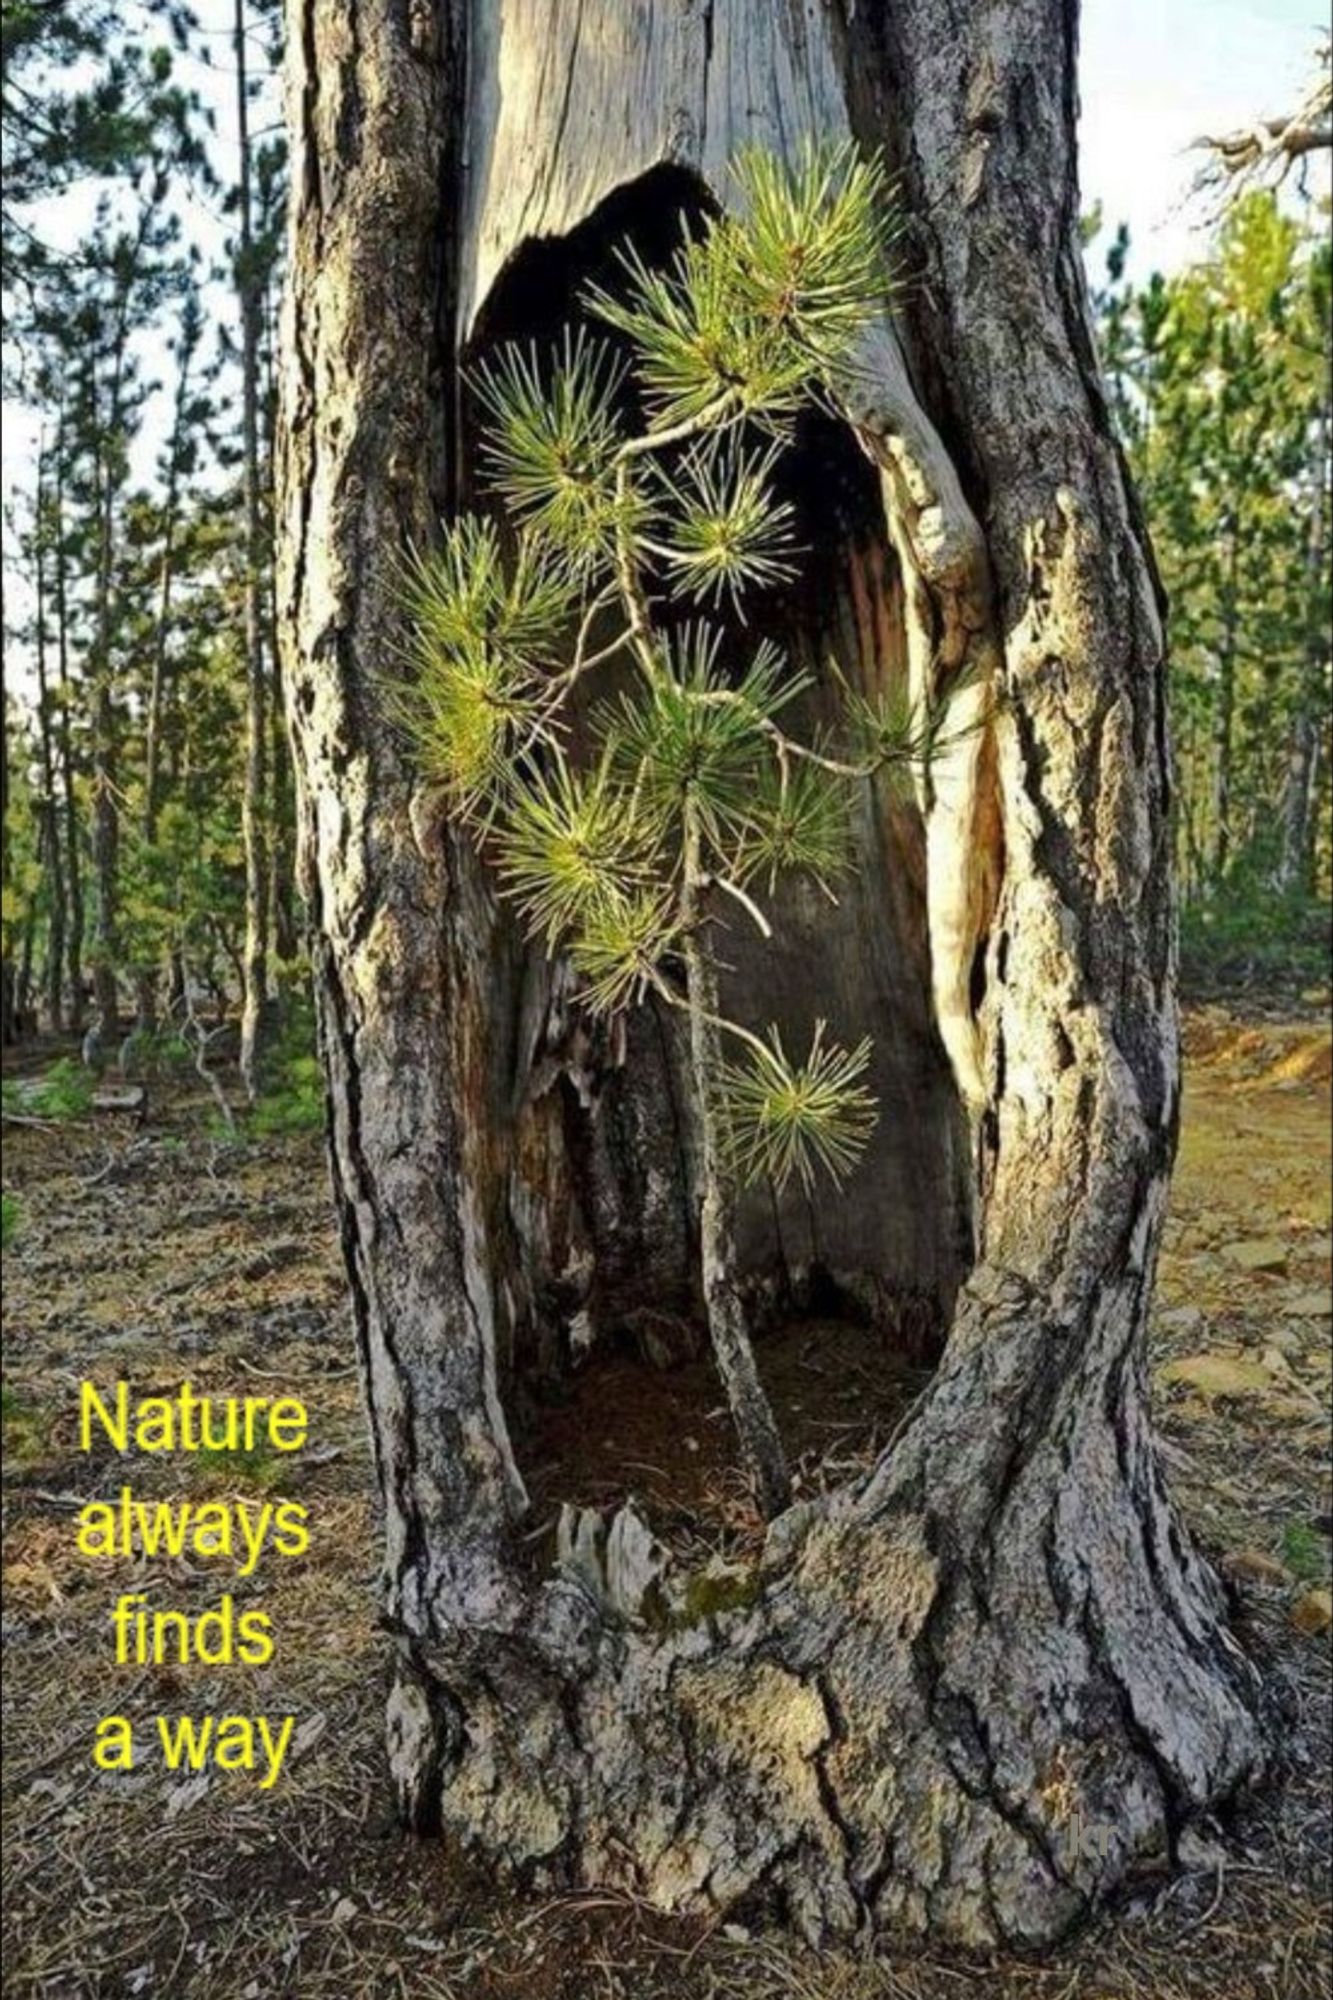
<point>573,843</point>
<point>623,940</point>
<point>692,736</point>
<point>552,442</point>
<point>783,1119</point>
<point>726,533</point>
<point>464,600</point>
<point>901,735</point>
<point>797,824</point>
<point>760,305</point>
<point>813,249</point>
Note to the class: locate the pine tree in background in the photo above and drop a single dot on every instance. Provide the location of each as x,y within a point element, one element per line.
<point>1220,380</point>
<point>110,344</point>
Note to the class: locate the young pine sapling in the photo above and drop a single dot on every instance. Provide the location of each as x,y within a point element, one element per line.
<point>693,796</point>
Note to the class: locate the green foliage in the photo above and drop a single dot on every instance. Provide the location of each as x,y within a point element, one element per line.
<point>483,635</point>
<point>259,1466</point>
<point>796,822</point>
<point>1248,935</point>
<point>620,945</point>
<point>1219,380</point>
<point>689,735</point>
<point>574,842</point>
<point>553,444</point>
<point>292,1098</point>
<point>725,534</point>
<point>763,305</point>
<point>1305,1552</point>
<point>126,762</point>
<point>63,1091</point>
<point>786,1118</point>
<point>613,829</point>
<point>23,1425</point>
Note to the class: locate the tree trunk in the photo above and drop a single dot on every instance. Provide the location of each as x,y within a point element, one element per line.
<point>967,1691</point>
<point>1224,715</point>
<point>55,933</point>
<point>254,994</point>
<point>189,334</point>
<point>1300,789</point>
<point>73,857</point>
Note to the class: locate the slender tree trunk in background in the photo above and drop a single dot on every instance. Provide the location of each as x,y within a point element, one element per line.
<point>105,841</point>
<point>254,993</point>
<point>154,709</point>
<point>1301,787</point>
<point>55,934</point>
<point>66,736</point>
<point>25,1011</point>
<point>967,1692</point>
<point>1224,720</point>
<point>8,975</point>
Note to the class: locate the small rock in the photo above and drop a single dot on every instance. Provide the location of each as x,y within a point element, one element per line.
<point>1196,1851</point>
<point>1218,1375</point>
<point>1257,1253</point>
<point>1309,1305</point>
<point>1253,1566</point>
<point>1182,1319</point>
<point>1312,1613</point>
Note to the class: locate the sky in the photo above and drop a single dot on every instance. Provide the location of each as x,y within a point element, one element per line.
<point>1154,74</point>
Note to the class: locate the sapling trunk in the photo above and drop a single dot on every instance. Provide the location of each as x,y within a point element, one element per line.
<point>750,1409</point>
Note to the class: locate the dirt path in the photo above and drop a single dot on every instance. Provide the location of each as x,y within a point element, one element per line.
<point>168,1252</point>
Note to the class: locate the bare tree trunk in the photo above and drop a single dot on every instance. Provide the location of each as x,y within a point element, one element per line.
<point>1224,715</point>
<point>965,1692</point>
<point>66,735</point>
<point>253,809</point>
<point>55,936</point>
<point>190,329</point>
<point>105,841</point>
<point>1301,784</point>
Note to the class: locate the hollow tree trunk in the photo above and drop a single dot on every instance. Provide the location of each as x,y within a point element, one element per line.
<point>965,1692</point>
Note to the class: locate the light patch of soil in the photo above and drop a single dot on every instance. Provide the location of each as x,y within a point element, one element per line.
<point>165,1252</point>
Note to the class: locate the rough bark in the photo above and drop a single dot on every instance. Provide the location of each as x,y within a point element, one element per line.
<point>968,1691</point>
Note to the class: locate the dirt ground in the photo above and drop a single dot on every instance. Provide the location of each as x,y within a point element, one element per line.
<point>167,1251</point>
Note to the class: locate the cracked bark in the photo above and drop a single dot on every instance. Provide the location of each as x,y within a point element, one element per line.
<point>966,1693</point>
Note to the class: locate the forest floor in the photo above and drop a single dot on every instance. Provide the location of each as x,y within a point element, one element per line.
<point>168,1251</point>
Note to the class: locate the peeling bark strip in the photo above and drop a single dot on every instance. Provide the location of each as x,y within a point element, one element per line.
<point>966,1693</point>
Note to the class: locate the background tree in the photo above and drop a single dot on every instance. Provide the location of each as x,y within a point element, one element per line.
<point>139,457</point>
<point>1220,381</point>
